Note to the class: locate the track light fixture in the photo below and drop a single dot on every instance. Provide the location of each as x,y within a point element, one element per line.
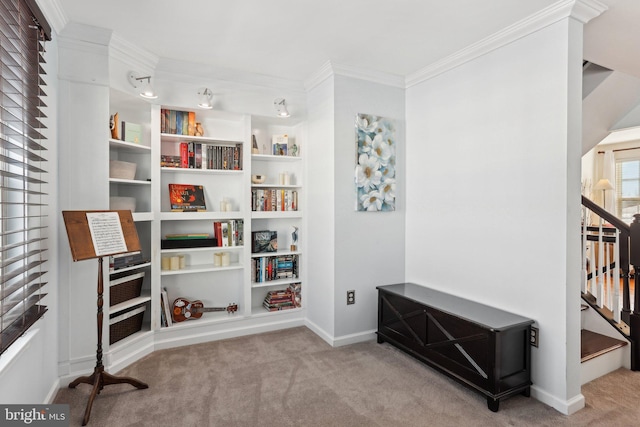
<point>280,106</point>
<point>136,81</point>
<point>205,96</point>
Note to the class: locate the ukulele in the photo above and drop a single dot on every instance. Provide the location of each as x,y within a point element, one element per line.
<point>183,309</point>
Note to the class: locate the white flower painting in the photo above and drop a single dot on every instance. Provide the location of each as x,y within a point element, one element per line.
<point>375,173</point>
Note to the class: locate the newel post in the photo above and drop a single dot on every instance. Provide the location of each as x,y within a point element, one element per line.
<point>634,320</point>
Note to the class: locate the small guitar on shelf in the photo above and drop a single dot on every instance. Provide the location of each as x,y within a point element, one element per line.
<point>183,309</point>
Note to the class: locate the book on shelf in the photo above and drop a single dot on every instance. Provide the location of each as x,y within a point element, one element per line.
<point>188,243</point>
<point>167,161</point>
<point>283,299</point>
<point>183,236</point>
<point>187,198</point>
<point>128,259</point>
<point>184,155</point>
<point>192,123</point>
<point>166,310</point>
<point>264,241</point>
<point>268,268</point>
<point>131,132</point>
<point>229,233</point>
<point>196,155</point>
<point>191,153</point>
<point>273,200</point>
<point>177,122</point>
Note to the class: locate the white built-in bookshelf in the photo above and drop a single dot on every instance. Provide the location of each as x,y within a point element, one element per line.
<point>228,197</point>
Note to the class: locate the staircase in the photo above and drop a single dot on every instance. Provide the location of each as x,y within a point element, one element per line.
<point>610,336</point>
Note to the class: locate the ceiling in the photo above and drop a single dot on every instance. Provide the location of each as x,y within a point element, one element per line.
<point>292,39</point>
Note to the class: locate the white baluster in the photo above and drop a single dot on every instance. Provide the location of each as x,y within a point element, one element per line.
<point>584,249</point>
<point>600,278</point>
<point>592,254</point>
<point>615,307</point>
<point>606,279</point>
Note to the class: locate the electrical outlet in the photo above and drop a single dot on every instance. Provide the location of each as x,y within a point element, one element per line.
<point>534,338</point>
<point>351,297</point>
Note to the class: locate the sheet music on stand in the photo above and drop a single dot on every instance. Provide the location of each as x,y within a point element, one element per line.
<point>106,233</point>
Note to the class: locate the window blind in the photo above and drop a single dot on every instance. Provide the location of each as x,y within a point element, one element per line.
<point>23,171</point>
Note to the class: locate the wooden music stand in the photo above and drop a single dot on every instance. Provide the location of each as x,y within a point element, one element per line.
<point>106,231</point>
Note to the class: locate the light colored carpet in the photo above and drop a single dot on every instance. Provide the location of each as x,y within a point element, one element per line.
<point>293,378</point>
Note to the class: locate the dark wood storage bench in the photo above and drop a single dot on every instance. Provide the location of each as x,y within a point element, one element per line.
<point>481,347</point>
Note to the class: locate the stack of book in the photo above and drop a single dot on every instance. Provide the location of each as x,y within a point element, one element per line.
<point>279,300</point>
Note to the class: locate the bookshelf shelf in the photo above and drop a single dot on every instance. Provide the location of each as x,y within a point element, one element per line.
<point>277,253</point>
<point>261,311</point>
<point>273,158</point>
<point>207,319</point>
<point>205,249</point>
<point>131,268</point>
<point>203,216</point>
<point>275,186</point>
<point>114,309</point>
<point>205,268</point>
<point>276,214</point>
<point>272,283</point>
<point>201,171</point>
<point>142,216</point>
<point>128,146</point>
<point>129,181</point>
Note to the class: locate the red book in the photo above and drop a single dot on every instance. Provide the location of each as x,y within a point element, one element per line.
<point>217,232</point>
<point>184,155</point>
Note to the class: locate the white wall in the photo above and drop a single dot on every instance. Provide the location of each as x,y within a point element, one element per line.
<point>28,369</point>
<point>369,247</point>
<point>493,172</point>
<point>83,132</point>
<point>319,293</point>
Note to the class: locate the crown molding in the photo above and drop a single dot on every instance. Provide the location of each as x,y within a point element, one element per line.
<point>54,14</point>
<point>128,53</point>
<point>329,69</point>
<point>324,72</point>
<point>197,73</point>
<point>582,10</point>
<point>585,10</point>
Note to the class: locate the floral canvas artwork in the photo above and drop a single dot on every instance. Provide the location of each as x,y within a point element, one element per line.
<point>375,163</point>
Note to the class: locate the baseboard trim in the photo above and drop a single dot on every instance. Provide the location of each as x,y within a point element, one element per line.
<point>355,338</point>
<point>319,332</point>
<point>53,391</point>
<point>566,407</point>
<point>161,344</point>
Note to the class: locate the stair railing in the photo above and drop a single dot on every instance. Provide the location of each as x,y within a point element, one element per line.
<point>609,248</point>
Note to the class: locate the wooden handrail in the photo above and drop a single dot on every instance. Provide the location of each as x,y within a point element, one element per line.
<point>610,218</point>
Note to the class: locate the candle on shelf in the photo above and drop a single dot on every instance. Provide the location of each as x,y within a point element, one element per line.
<point>217,259</point>
<point>166,263</point>
<point>183,261</point>
<point>175,263</point>
<point>225,259</point>
<point>287,179</point>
